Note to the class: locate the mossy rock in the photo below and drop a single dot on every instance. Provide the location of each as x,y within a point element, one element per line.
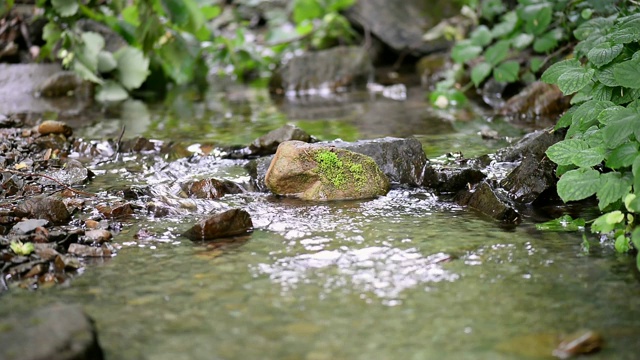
<point>322,173</point>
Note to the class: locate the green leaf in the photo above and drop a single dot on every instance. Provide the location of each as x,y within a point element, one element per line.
<point>613,188</point>
<point>621,244</point>
<point>85,73</point>
<point>541,19</point>
<point>465,51</point>
<point>587,113</point>
<point>611,114</point>
<point>507,71</point>
<point>551,75</point>
<point>588,157</point>
<point>562,152</point>
<point>606,77</point>
<point>562,169</point>
<point>635,238</point>
<point>573,80</point>
<point>604,53</point>
<point>106,62</point>
<point>521,41</point>
<point>563,223</point>
<point>635,169</point>
<point>22,249</point>
<point>480,72</point>
<point>506,26</point>
<point>545,43</point>
<point>339,5</point>
<point>184,13</point>
<point>535,63</point>
<point>595,26</point>
<point>210,12</point>
<point>578,184</point>
<point>497,52</point>
<point>618,130</point>
<point>622,156</point>
<point>627,73</point>
<point>133,67</point>
<point>606,223</point>
<point>111,91</point>
<point>66,7</point>
<point>307,10</point>
<point>481,36</point>
<point>566,119</point>
<point>92,44</point>
<point>602,93</point>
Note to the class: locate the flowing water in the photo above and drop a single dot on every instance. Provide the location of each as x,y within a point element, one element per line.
<point>404,276</point>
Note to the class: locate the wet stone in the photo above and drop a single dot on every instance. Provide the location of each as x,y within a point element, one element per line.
<point>268,143</point>
<point>534,145</point>
<point>54,127</point>
<point>210,188</point>
<point>28,226</point>
<point>452,180</point>
<point>117,211</point>
<point>537,99</point>
<point>137,144</point>
<point>89,251</point>
<point>62,83</point>
<point>229,223</point>
<point>61,332</point>
<point>47,253</point>
<point>488,201</point>
<point>579,343</point>
<point>48,208</point>
<point>529,180</point>
<point>97,236</point>
<point>321,172</point>
<point>68,263</point>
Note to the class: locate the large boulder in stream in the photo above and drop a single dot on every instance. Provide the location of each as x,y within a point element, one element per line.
<point>402,160</point>
<point>402,24</point>
<point>54,332</point>
<point>332,69</point>
<point>322,173</point>
<point>229,223</point>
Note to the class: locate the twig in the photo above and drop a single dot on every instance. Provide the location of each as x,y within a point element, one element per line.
<point>119,142</point>
<point>67,187</point>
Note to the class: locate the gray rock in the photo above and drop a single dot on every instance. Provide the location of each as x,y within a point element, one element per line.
<point>54,332</point>
<point>445,180</point>
<point>335,68</point>
<point>232,222</point>
<point>28,226</point>
<point>490,202</point>
<point>530,179</point>
<point>89,251</point>
<point>48,208</point>
<point>402,160</point>
<point>531,145</point>
<point>63,83</point>
<point>401,24</point>
<point>268,143</point>
<point>210,188</point>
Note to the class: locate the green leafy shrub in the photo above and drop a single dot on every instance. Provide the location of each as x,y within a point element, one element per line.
<point>495,48</point>
<point>600,155</point>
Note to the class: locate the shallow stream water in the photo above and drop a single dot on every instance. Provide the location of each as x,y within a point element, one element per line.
<point>404,276</point>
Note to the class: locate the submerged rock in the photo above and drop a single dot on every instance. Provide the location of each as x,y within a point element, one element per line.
<point>268,144</point>
<point>62,83</point>
<point>210,188</point>
<point>54,332</point>
<point>486,200</point>
<point>321,172</point>
<point>89,251</point>
<point>232,222</point>
<point>579,343</point>
<point>48,208</point>
<point>332,69</point>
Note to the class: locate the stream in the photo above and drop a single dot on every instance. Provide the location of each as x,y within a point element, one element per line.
<point>404,276</point>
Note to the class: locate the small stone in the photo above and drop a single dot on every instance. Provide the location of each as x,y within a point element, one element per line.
<point>64,262</point>
<point>210,188</point>
<point>47,253</point>
<point>54,127</point>
<point>62,83</point>
<point>28,226</point>
<point>486,200</point>
<point>229,223</point>
<point>91,224</point>
<point>36,270</point>
<point>89,251</point>
<point>48,208</point>
<point>98,236</point>
<point>268,144</point>
<point>579,343</point>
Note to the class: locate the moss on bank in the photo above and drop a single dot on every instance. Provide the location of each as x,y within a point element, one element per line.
<point>339,172</point>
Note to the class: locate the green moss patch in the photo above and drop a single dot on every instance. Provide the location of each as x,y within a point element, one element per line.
<point>339,172</point>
